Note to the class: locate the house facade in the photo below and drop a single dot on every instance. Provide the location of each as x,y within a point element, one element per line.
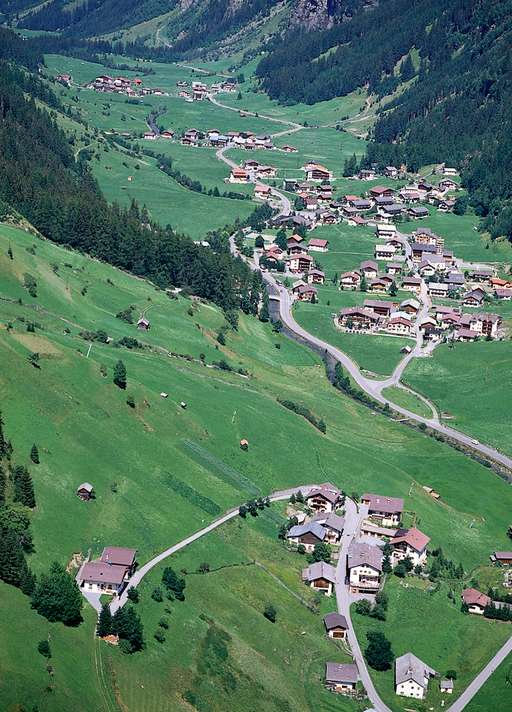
<point>412,676</point>
<point>364,564</point>
<point>387,511</point>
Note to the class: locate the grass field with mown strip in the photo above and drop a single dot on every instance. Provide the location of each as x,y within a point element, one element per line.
<point>408,400</point>
<point>85,431</point>
<point>473,384</point>
<point>496,693</point>
<point>453,640</point>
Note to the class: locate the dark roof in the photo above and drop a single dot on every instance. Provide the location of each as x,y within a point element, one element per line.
<point>331,495</point>
<point>360,554</point>
<point>99,571</point>
<point>314,528</point>
<point>380,503</point>
<point>319,570</point>
<point>341,672</point>
<point>335,620</point>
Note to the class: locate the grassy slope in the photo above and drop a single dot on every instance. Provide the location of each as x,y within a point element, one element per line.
<point>85,430</point>
<point>496,694</point>
<point>461,642</point>
<point>407,400</point>
<point>472,383</point>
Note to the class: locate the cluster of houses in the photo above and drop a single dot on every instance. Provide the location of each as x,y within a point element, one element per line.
<point>364,573</point>
<point>122,85</point>
<point>110,573</point>
<point>198,91</point>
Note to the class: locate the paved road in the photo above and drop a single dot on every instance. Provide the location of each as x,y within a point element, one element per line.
<point>140,573</point>
<point>481,678</point>
<point>292,124</point>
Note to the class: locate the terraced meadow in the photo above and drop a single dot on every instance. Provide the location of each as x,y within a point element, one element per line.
<point>162,472</point>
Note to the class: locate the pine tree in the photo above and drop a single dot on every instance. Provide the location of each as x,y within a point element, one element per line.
<point>57,596</point>
<point>12,559</point>
<point>34,454</point>
<point>23,487</point>
<point>407,70</point>
<point>104,626</point>
<point>126,623</point>
<point>264,313</point>
<point>3,442</point>
<point>120,375</point>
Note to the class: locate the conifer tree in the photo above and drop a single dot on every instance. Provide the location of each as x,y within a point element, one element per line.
<point>104,626</point>
<point>120,375</point>
<point>57,597</point>
<point>12,559</point>
<point>23,487</point>
<point>34,454</point>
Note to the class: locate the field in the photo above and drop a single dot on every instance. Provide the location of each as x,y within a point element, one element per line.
<point>408,400</point>
<point>471,383</point>
<point>496,693</point>
<point>138,458</point>
<point>459,642</point>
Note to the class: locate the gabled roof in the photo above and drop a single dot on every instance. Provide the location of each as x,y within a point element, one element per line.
<point>360,554</point>
<point>412,537</point>
<point>85,486</point>
<point>118,555</point>
<point>330,521</point>
<point>335,620</point>
<point>314,528</point>
<point>410,667</point>
<point>319,570</point>
<point>332,495</point>
<point>473,597</point>
<point>341,672</point>
<point>380,503</point>
<point>99,571</point>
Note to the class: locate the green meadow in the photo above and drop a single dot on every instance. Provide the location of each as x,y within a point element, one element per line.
<point>454,641</point>
<point>496,694</point>
<point>161,472</point>
<point>471,384</point>
<point>406,399</point>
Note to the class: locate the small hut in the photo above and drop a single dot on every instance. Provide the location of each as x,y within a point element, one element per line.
<point>144,324</point>
<point>85,491</point>
<point>183,405</point>
<point>244,444</point>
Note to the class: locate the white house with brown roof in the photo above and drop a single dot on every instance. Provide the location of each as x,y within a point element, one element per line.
<point>385,510</point>
<point>364,564</point>
<point>320,577</point>
<point>475,600</point>
<point>309,535</point>
<point>324,498</point>
<point>110,573</point>
<point>315,171</point>
<point>341,678</point>
<point>411,544</point>
<point>336,626</point>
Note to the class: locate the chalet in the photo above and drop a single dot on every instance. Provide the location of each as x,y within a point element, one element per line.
<point>379,284</point>
<point>476,601</point>
<point>412,284</point>
<point>410,543</point>
<point>465,334</point>
<point>444,205</point>
<point>265,171</point>
<point>143,324</point>
<point>424,187</point>
<point>391,172</point>
<point>438,289</point>
<point>410,306</point>
<point>326,217</point>
<point>448,184</point>
<point>412,676</point>
<point>502,557</point>
<point>418,212</point>
<point>110,573</point>
<point>425,236</point>
<point>386,232</point>
<point>318,245</point>
<point>299,263</point>
<point>381,308</point>
<point>399,325</point>
<point>485,324</point>
<point>385,510</point>
<point>168,134</point>
<point>483,275</point>
<point>367,174</point>
<point>391,211</point>
<point>348,212</point>
<point>309,535</point>
<point>238,175</point>
<point>314,171</point>
<point>295,239</point>
<point>455,280</point>
<point>373,531</point>
<point>332,524</point>
<point>305,293</point>
<point>356,220</point>
<point>380,191</point>
<point>316,276</point>
<point>350,280</point>
<point>384,252</point>
<point>361,204</point>
<point>394,268</point>
<point>290,184</point>
<point>428,326</point>
<point>296,249</point>
<point>357,318</point>
<point>473,298</point>
<point>421,250</point>
<point>324,498</point>
<point>503,294</point>
<point>431,264</point>
<point>289,149</point>
<point>341,678</point>
<point>364,566</point>
<point>446,686</point>
<point>499,283</point>
<point>262,192</point>
<point>320,577</point>
<point>447,171</point>
<point>383,201</point>
<point>150,136</point>
<point>191,137</point>
<point>369,268</point>
<point>336,626</point>
<point>85,491</point>
<point>409,194</point>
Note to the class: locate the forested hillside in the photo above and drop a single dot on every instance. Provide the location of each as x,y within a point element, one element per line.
<point>40,179</point>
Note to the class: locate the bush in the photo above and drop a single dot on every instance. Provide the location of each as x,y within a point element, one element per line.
<point>133,595</point>
<point>378,653</point>
<point>163,623</point>
<point>270,613</point>
<point>159,636</point>
<point>157,595</point>
<point>305,413</point>
<point>43,647</point>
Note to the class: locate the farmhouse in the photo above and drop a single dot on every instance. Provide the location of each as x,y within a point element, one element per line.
<point>464,334</point>
<point>341,677</point>
<point>473,298</point>
<point>315,276</point>
<point>305,292</point>
<point>382,308</point>
<point>446,686</point>
<point>308,535</point>
<point>318,245</point>
<point>332,524</point>
<point>391,172</point>
<point>410,543</point>
<point>262,192</point>
<point>399,325</point>
<point>386,510</point>
<point>238,175</point>
<point>384,252</point>
<point>380,191</point>
<point>85,491</point>
<point>412,284</point>
<point>367,174</point>
<point>369,268</point>
<point>350,280</point>
<point>336,626</point>
<point>110,573</point>
<point>394,268</point>
<point>357,318</point>
<point>364,564</point>
<point>475,600</point>
<point>502,557</point>
<point>320,577</point>
<point>323,498</point>
<point>314,171</point>
<point>412,676</point>
<point>143,324</point>
<point>299,263</point>
<point>386,232</point>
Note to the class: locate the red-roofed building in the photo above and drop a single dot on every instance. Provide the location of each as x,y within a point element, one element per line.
<point>475,600</point>
<point>410,543</point>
